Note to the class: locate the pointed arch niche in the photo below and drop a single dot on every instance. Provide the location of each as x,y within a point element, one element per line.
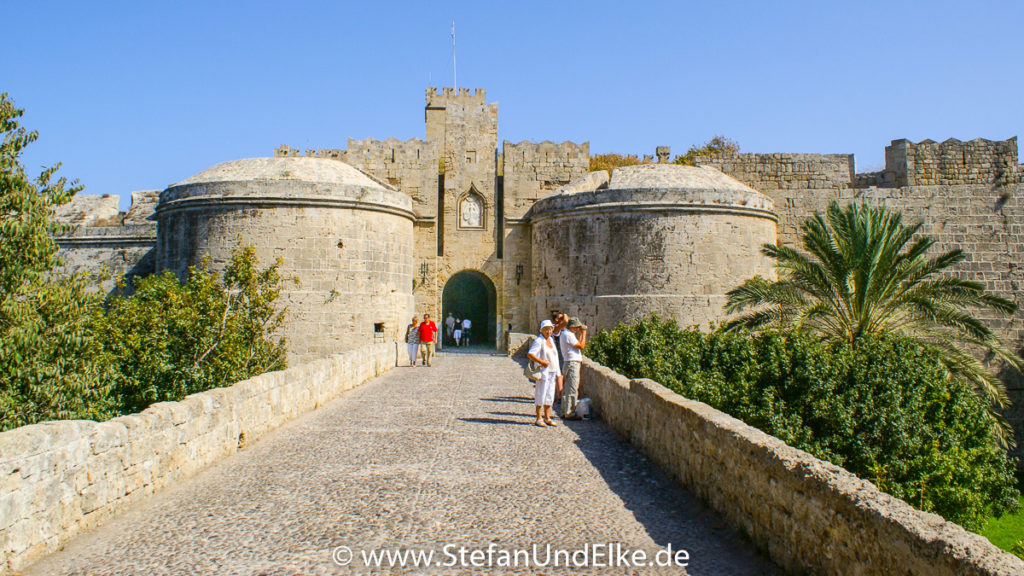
<point>472,210</point>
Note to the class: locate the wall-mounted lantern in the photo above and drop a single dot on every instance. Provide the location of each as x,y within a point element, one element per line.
<point>424,270</point>
<point>519,273</point>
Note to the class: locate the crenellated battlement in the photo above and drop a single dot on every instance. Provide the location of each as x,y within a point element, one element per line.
<point>448,95</point>
<point>286,151</point>
<point>977,161</point>
<point>528,148</point>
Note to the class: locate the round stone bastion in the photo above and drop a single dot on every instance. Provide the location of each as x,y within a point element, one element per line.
<point>345,243</point>
<point>659,239</point>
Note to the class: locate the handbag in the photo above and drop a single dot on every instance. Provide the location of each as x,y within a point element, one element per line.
<point>533,371</point>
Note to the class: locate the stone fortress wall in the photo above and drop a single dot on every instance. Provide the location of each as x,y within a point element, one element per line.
<point>785,171</point>
<point>471,208</point>
<point>410,166</point>
<point>537,170</point>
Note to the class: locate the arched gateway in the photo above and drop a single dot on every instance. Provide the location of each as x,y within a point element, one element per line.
<point>471,294</point>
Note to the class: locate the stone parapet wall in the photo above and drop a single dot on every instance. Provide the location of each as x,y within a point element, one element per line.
<point>809,516</point>
<point>765,172</point>
<point>519,343</point>
<point>88,210</point>
<point>60,478</point>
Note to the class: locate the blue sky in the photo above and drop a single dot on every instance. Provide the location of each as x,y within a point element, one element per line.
<point>138,95</point>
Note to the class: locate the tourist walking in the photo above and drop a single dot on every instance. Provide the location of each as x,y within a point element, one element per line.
<point>458,336</point>
<point>412,340</point>
<point>428,332</point>
<point>449,326</point>
<point>572,342</point>
<point>467,325</point>
<point>545,354</point>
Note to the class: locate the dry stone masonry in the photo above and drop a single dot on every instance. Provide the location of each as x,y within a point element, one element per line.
<point>808,515</point>
<point>61,478</point>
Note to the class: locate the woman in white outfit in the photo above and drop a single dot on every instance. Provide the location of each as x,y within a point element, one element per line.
<point>544,353</point>
<point>412,340</point>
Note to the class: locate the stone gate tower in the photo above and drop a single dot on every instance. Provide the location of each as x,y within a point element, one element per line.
<point>464,129</point>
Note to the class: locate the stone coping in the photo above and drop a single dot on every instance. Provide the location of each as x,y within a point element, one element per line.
<point>84,241</point>
<point>270,193</point>
<point>60,478</point>
<point>808,515</point>
<point>665,201</point>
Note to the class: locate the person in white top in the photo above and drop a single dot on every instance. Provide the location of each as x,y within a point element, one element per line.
<point>543,353</point>
<point>466,325</point>
<point>572,342</point>
<point>449,325</point>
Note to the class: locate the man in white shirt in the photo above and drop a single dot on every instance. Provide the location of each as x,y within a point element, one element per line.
<point>572,341</point>
<point>466,325</point>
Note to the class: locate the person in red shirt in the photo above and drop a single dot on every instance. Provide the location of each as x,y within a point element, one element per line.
<point>428,332</point>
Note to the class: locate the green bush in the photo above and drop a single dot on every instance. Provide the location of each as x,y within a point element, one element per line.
<point>78,358</point>
<point>170,338</point>
<point>884,408</point>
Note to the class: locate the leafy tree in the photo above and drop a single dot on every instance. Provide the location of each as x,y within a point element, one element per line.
<point>717,145</point>
<point>64,356</point>
<point>171,338</point>
<point>882,408</point>
<point>27,250</point>
<point>611,161</point>
<point>863,274</point>
<point>51,366</point>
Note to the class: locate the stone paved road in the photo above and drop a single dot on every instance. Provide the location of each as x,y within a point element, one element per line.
<point>415,459</point>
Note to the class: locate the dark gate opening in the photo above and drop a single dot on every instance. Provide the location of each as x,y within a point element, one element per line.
<point>470,294</point>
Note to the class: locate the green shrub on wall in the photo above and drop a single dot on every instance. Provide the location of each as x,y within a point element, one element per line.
<point>170,338</point>
<point>883,408</point>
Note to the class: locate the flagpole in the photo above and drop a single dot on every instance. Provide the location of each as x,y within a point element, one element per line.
<point>455,77</point>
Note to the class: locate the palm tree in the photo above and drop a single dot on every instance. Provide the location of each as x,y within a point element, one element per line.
<point>864,274</point>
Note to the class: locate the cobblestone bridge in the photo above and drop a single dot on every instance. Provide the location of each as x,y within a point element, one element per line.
<point>415,459</point>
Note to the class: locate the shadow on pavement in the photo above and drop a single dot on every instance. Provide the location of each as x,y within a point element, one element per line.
<point>669,512</point>
<point>519,399</point>
<point>497,421</point>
